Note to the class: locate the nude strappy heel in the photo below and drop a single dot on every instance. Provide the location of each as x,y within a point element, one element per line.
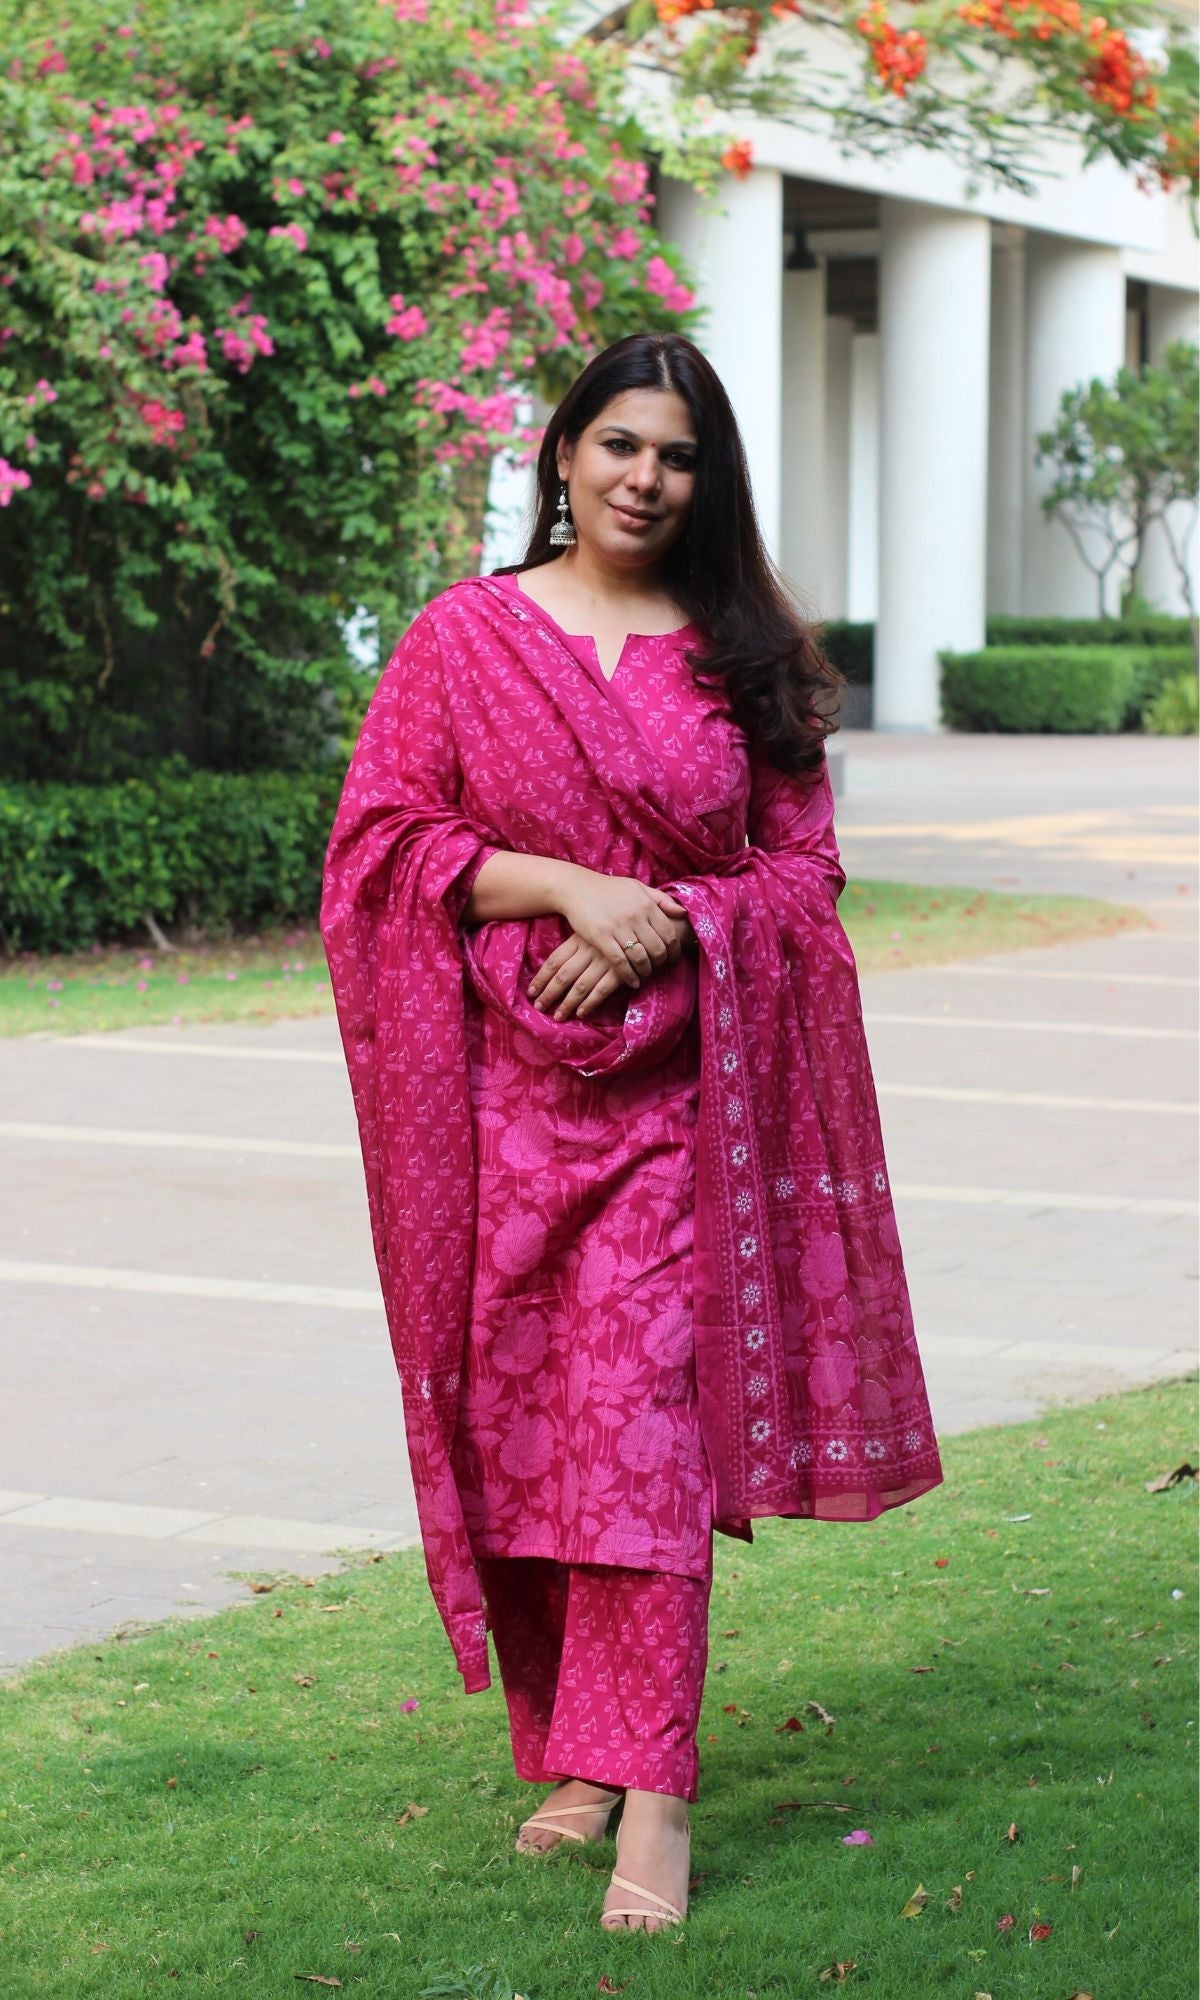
<point>604,1805</point>
<point>668,1912</point>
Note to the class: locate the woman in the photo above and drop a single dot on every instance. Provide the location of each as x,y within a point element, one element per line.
<point>621,1140</point>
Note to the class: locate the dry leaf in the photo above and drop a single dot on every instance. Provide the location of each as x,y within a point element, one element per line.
<point>1014,1831</point>
<point>605,1985</point>
<point>1076,1876</point>
<point>922,1670</point>
<point>333,1607</point>
<point>1166,1479</point>
<point>799,1805</point>
<point>822,1713</point>
<point>916,1902</point>
<point>954,1901</point>
<point>1039,1931</point>
<point>304,1681</point>
<point>316,1978</point>
<point>839,1968</point>
<point>793,1722</point>
<point>411,1812</point>
<point>1042,1592</point>
<point>260,1589</point>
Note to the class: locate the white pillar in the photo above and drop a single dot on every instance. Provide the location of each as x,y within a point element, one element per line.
<point>862,559</point>
<point>1172,316</point>
<point>1075,331</point>
<point>934,283</point>
<point>803,469</point>
<point>839,334</point>
<point>1006,426</point>
<point>737,259</point>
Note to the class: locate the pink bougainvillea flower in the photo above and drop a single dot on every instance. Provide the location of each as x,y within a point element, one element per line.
<point>336,139</point>
<point>407,322</point>
<point>407,1707</point>
<point>859,1838</point>
<point>190,353</point>
<point>1005,1923</point>
<point>295,187</point>
<point>156,267</point>
<point>227,231</point>
<point>292,232</point>
<point>661,280</point>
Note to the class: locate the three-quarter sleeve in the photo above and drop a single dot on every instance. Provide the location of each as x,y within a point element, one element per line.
<point>790,820</point>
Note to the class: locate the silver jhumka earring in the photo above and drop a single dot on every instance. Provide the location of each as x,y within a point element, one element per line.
<point>562,534</point>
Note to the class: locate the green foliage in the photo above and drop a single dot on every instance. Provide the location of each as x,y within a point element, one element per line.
<point>1025,629</point>
<point>275,286</point>
<point>82,863</point>
<point>1175,711</point>
<point>1037,690</point>
<point>1126,453</point>
<point>851,647</point>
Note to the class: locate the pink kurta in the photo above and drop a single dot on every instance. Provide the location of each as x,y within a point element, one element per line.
<point>579,1431</point>
<point>642,1272</point>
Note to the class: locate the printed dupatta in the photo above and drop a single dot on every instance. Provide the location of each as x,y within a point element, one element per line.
<point>489,729</point>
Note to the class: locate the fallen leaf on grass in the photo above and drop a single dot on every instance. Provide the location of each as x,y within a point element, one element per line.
<point>922,1670</point>
<point>1014,1831</point>
<point>838,1969</point>
<point>1039,1931</point>
<point>260,1589</point>
<point>916,1902</point>
<point>1037,1592</point>
<point>793,1722</point>
<point>1166,1479</point>
<point>800,1805</point>
<point>604,1985</point>
<point>1005,1923</point>
<point>304,1681</point>
<point>1076,1875</point>
<point>316,1978</point>
<point>822,1714</point>
<point>954,1900</point>
<point>411,1812</point>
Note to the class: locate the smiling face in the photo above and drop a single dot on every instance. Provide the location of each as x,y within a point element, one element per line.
<point>630,477</point>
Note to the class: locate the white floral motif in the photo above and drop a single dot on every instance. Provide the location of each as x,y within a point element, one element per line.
<point>754,1338</point>
<point>837,1449</point>
<point>747,1246</point>
<point>729,1062</point>
<point>760,1430</point>
<point>913,1439</point>
<point>426,1388</point>
<point>800,1454</point>
<point>719,967</point>
<point>743,1201</point>
<point>785,1187</point>
<point>824,1184</point>
<point>875,1448</point>
<point>756,1387</point>
<point>739,1154</point>
<point>705,927</point>
<point>684,890</point>
<point>735,1110</point>
<point>633,1013</point>
<point>725,1016</point>
<point>759,1476</point>
<point>752,1294</point>
<point>879,1183</point>
<point>847,1190</point>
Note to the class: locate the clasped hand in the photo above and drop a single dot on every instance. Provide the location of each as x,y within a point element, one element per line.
<point>605,912</point>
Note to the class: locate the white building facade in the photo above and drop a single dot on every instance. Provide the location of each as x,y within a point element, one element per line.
<point>892,345</point>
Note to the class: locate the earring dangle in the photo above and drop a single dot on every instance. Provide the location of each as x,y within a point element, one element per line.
<point>562,534</point>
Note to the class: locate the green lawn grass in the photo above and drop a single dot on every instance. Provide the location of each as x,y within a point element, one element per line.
<point>890,924</point>
<point>1005,1675</point>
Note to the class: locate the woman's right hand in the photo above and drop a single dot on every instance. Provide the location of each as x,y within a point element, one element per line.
<point>612,912</point>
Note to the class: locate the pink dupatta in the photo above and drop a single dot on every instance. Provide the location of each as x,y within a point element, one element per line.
<point>489,729</point>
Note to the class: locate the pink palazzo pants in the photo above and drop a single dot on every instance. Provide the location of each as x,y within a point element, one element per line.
<point>602,1669</point>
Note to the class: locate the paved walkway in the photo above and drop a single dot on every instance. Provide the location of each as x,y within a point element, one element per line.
<point>196,1368</point>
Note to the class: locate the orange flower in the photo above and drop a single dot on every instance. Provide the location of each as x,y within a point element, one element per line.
<point>738,158</point>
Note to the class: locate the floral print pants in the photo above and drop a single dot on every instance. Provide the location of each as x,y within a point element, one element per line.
<point>602,1668</point>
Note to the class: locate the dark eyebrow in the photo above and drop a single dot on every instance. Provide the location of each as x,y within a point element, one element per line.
<point>677,444</point>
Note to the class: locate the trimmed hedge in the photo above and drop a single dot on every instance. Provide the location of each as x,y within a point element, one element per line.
<point>81,864</point>
<point>1008,629</point>
<point>851,647</point>
<point>1089,690</point>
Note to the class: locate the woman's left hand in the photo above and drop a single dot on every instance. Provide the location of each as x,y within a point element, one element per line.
<point>576,977</point>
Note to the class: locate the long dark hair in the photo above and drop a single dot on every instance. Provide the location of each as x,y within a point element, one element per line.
<point>780,686</point>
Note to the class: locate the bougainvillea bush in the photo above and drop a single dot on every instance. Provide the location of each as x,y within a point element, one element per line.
<point>275,282</point>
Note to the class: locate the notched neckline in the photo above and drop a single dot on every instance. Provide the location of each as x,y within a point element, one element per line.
<point>588,638</point>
